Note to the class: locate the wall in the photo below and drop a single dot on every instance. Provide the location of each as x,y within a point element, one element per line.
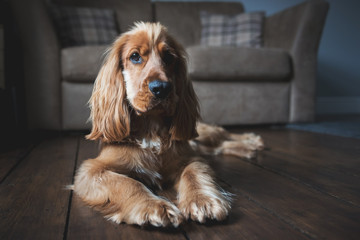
<point>338,87</point>
<point>339,64</point>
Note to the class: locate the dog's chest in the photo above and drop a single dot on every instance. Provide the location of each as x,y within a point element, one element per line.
<point>161,161</point>
<point>153,144</point>
<point>153,136</point>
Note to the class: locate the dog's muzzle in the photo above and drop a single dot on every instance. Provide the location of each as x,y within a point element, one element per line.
<point>160,89</point>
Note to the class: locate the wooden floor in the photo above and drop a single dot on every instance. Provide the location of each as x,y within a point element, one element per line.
<point>302,186</point>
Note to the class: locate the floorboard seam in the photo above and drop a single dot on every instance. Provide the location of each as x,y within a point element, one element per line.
<point>297,180</point>
<point>185,234</point>
<point>291,224</point>
<point>19,160</point>
<point>71,192</point>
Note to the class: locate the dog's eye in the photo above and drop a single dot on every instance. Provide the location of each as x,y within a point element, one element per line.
<point>168,57</point>
<point>136,58</point>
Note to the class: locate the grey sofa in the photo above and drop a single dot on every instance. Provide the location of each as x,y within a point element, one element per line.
<point>273,84</point>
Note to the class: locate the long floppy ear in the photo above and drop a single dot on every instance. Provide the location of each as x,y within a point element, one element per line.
<point>187,112</point>
<point>109,110</point>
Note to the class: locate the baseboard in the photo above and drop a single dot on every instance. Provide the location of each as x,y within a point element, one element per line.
<point>338,105</point>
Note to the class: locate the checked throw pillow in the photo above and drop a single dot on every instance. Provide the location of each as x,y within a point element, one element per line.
<point>243,29</point>
<point>79,26</point>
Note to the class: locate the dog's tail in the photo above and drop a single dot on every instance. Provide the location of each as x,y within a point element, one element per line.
<point>216,140</point>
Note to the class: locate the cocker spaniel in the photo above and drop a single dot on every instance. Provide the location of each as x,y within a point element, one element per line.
<point>144,111</point>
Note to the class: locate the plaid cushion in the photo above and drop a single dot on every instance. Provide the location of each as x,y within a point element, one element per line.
<point>244,29</point>
<point>79,26</point>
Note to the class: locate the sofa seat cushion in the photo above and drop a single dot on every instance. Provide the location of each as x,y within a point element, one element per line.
<point>81,64</point>
<point>238,64</point>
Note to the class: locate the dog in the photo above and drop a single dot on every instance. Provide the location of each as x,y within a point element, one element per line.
<point>145,113</point>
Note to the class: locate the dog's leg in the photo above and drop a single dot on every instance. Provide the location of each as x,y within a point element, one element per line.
<point>216,140</point>
<point>242,145</point>
<point>199,197</point>
<point>121,198</point>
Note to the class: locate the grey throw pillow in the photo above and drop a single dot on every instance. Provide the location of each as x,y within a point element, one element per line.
<point>79,26</point>
<point>243,29</point>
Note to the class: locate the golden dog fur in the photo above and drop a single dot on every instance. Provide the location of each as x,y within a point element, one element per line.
<point>148,143</point>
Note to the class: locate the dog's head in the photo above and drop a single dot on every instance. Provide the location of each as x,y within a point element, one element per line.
<point>145,71</point>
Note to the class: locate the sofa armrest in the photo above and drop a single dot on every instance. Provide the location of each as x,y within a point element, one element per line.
<point>41,52</point>
<point>298,30</point>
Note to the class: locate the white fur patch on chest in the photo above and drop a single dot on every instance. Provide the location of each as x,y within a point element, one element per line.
<point>153,144</point>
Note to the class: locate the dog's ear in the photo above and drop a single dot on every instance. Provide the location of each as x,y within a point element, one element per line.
<point>187,112</point>
<point>109,111</point>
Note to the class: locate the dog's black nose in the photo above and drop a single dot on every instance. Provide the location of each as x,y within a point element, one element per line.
<point>160,89</point>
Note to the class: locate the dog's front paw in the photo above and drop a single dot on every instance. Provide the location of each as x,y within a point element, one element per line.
<point>203,207</point>
<point>162,213</point>
<point>159,213</point>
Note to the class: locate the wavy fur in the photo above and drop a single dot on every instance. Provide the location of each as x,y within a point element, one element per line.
<point>145,139</point>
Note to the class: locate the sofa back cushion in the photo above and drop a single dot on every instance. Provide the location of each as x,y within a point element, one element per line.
<point>238,64</point>
<point>81,64</point>
<point>127,12</point>
<point>183,18</point>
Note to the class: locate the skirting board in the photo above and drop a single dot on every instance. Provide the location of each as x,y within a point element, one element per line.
<point>338,105</point>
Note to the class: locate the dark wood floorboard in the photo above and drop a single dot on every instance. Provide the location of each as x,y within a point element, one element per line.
<point>9,160</point>
<point>247,220</point>
<point>312,213</point>
<point>33,202</point>
<point>326,163</point>
<point>302,186</point>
